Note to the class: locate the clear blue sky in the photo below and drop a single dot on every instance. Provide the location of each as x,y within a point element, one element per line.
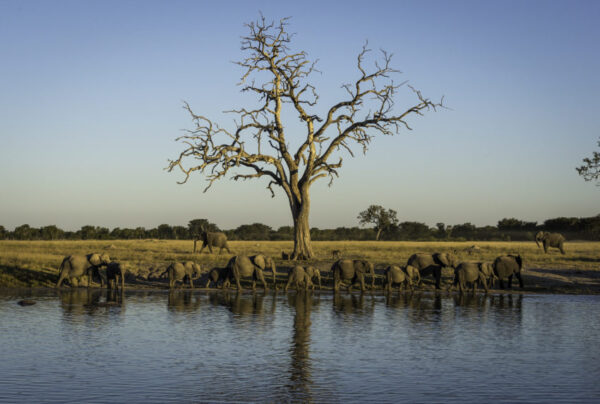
<point>91,101</point>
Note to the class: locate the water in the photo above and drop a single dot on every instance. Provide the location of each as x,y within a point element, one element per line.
<point>223,347</point>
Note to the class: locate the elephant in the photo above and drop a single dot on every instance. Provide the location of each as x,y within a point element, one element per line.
<point>76,266</point>
<point>218,275</point>
<point>554,240</point>
<point>353,271</point>
<point>413,274</point>
<point>179,272</point>
<point>211,240</point>
<point>469,272</point>
<point>433,264</point>
<point>299,276</point>
<point>314,273</point>
<point>393,274</point>
<point>243,266</point>
<point>507,266</point>
<point>488,270</point>
<point>266,263</point>
<point>114,273</point>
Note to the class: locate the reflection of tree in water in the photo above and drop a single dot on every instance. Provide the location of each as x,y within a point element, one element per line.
<point>182,301</point>
<point>300,372</point>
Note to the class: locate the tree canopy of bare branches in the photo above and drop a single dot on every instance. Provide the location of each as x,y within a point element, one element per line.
<point>590,170</point>
<point>258,145</point>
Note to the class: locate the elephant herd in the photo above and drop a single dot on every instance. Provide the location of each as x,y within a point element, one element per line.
<point>349,272</point>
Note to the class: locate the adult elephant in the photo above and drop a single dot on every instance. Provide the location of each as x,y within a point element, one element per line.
<point>242,266</point>
<point>432,264</point>
<point>470,272</point>
<point>212,239</point>
<point>114,274</point>
<point>76,266</point>
<point>554,240</point>
<point>506,266</point>
<point>299,276</point>
<point>180,272</point>
<point>353,271</point>
<point>395,275</point>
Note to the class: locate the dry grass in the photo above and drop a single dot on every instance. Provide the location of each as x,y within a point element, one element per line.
<point>35,263</point>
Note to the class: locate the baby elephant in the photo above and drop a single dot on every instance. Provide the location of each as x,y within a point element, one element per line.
<point>395,275</point>
<point>218,275</point>
<point>179,272</point>
<point>114,274</point>
<point>470,272</point>
<point>413,274</point>
<point>298,276</point>
<point>314,273</point>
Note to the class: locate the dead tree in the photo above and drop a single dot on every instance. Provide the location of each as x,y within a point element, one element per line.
<point>258,147</point>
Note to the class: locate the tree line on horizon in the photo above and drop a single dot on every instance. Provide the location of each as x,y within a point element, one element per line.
<point>508,229</point>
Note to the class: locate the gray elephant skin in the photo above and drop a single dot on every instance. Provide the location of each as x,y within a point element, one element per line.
<point>242,266</point>
<point>413,274</point>
<point>314,273</point>
<point>114,274</point>
<point>432,264</point>
<point>554,240</point>
<point>210,240</point>
<point>299,276</point>
<point>507,266</point>
<point>394,275</point>
<point>218,276</point>
<point>180,272</point>
<point>470,272</point>
<point>76,266</point>
<point>353,271</point>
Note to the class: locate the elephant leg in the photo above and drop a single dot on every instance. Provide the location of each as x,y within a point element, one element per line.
<point>545,247</point>
<point>518,275</point>
<point>475,287</point>
<point>501,282</point>
<point>437,273</point>
<point>560,247</point>
<point>484,283</point>
<point>191,282</point>
<point>236,276</point>
<point>336,281</point>
<point>361,279</point>
<point>510,281</point>
<point>289,282</point>
<point>210,248</point>
<point>261,277</point>
<point>61,278</point>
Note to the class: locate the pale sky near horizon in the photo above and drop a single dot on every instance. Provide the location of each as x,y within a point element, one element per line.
<point>91,100</point>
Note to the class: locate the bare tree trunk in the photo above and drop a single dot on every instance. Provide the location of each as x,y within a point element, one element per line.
<point>378,234</point>
<point>302,243</point>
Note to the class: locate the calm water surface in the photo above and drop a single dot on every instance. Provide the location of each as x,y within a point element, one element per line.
<point>226,347</point>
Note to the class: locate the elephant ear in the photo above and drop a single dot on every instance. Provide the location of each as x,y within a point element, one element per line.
<point>259,261</point>
<point>443,259</point>
<point>95,259</point>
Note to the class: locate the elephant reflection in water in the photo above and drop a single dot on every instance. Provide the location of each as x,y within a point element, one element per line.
<point>182,300</point>
<point>88,301</point>
<point>300,366</point>
<point>353,304</point>
<point>241,303</point>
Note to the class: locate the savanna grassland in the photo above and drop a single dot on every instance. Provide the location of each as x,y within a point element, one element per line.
<point>35,263</point>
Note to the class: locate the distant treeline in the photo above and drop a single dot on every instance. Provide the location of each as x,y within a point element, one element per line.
<point>587,228</point>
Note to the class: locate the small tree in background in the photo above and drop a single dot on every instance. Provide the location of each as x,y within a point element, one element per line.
<point>196,226</point>
<point>590,170</point>
<point>382,219</point>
